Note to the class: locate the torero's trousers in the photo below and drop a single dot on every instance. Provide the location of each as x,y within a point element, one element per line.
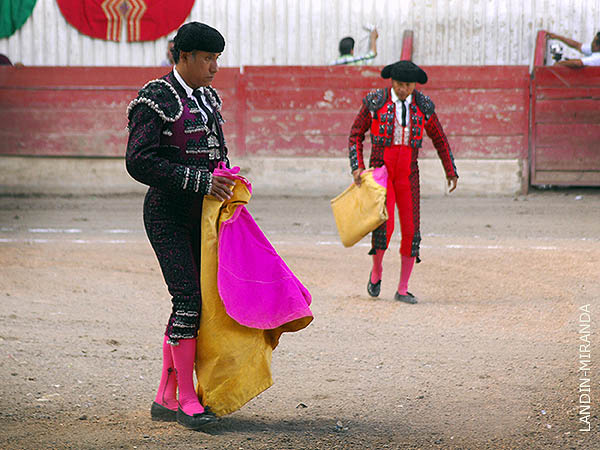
<point>172,223</point>
<point>403,193</point>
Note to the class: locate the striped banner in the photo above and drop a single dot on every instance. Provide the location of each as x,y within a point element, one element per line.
<point>145,20</point>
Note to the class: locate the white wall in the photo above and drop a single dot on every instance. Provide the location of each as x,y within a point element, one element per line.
<point>301,32</point>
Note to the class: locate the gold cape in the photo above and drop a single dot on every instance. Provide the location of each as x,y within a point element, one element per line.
<point>233,362</point>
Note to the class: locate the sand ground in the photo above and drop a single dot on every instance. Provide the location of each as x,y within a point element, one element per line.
<point>490,357</point>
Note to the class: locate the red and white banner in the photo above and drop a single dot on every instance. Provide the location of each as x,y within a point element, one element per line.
<point>146,20</point>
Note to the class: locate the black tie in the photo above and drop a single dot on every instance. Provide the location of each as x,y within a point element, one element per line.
<point>403,114</point>
<point>198,95</point>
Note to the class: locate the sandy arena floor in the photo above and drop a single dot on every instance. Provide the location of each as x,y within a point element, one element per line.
<point>489,358</point>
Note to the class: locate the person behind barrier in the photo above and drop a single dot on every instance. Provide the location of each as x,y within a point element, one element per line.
<point>175,143</point>
<point>5,60</point>
<point>591,51</point>
<point>169,61</point>
<point>346,48</point>
<point>397,118</point>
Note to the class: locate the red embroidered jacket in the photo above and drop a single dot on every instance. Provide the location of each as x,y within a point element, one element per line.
<point>378,115</point>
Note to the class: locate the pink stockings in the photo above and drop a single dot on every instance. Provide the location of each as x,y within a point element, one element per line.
<point>377,271</point>
<point>167,389</point>
<point>178,372</point>
<point>406,268</point>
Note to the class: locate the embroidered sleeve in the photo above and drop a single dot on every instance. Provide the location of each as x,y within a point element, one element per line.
<point>434,130</point>
<point>145,163</point>
<point>361,124</point>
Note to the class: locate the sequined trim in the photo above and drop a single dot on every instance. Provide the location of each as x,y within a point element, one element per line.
<point>379,239</point>
<point>197,181</point>
<point>425,104</point>
<point>381,140</point>
<point>186,313</point>
<point>416,243</point>
<point>374,100</point>
<point>186,178</point>
<point>208,186</point>
<point>195,126</point>
<point>207,146</point>
<point>353,158</point>
<point>154,106</point>
<point>213,97</point>
<point>177,323</point>
<point>197,129</point>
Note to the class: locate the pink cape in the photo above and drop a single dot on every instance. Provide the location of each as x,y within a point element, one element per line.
<point>257,287</point>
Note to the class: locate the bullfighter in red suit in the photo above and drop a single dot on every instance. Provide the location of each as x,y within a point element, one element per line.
<point>397,118</point>
<point>175,143</point>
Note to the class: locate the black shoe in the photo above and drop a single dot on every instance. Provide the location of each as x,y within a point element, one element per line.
<point>161,413</point>
<point>373,288</point>
<point>208,411</point>
<point>197,421</point>
<point>408,298</point>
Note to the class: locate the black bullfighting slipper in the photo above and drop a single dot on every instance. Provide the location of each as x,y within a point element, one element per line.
<point>208,411</point>
<point>161,413</point>
<point>407,298</point>
<point>373,288</point>
<point>196,421</point>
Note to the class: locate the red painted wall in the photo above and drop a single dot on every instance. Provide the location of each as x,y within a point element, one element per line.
<point>270,111</point>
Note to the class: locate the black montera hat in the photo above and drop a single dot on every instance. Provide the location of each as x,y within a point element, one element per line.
<point>198,36</point>
<point>406,71</point>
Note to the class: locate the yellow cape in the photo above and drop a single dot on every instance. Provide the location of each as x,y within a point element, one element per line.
<point>233,362</point>
<point>360,210</point>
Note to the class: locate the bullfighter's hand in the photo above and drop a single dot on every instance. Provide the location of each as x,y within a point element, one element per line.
<point>221,188</point>
<point>356,175</point>
<point>452,182</point>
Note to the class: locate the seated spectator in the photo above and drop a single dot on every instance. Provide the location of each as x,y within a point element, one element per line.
<point>169,61</point>
<point>591,51</point>
<point>346,48</point>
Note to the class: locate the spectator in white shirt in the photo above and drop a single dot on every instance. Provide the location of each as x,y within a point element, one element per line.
<point>591,51</point>
<point>347,56</point>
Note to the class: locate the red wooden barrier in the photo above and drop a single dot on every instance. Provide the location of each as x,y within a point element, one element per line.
<point>309,110</point>
<point>79,111</point>
<point>270,111</point>
<point>565,147</point>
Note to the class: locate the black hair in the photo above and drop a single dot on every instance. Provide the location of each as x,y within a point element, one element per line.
<point>346,45</point>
